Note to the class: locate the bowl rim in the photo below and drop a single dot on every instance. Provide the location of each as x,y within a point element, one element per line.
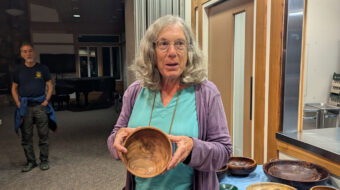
<point>139,129</point>
<point>223,169</point>
<point>271,183</point>
<point>253,164</point>
<point>316,186</point>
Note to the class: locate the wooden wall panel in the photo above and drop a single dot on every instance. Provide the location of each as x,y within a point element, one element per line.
<point>130,40</point>
<point>260,79</point>
<point>275,69</point>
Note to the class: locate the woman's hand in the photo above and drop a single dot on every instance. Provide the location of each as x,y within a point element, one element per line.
<point>184,147</point>
<point>122,133</point>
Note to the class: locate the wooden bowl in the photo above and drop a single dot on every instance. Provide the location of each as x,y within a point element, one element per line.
<point>269,186</point>
<point>299,174</point>
<point>148,152</point>
<point>222,170</point>
<point>322,187</point>
<point>241,166</point>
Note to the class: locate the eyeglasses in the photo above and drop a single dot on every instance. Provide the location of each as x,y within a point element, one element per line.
<point>164,45</point>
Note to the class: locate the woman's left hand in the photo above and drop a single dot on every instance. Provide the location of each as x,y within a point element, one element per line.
<point>184,147</point>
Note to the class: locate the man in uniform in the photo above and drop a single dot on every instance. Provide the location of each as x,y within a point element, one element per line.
<point>31,97</point>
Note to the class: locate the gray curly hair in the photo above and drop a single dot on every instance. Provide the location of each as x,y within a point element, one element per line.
<point>145,64</point>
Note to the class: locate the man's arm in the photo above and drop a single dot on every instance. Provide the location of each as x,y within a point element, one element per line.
<point>15,94</point>
<point>49,92</point>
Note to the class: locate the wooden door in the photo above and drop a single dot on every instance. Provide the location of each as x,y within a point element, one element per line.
<point>221,66</point>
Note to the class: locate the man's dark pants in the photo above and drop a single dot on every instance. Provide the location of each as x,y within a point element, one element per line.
<point>35,114</point>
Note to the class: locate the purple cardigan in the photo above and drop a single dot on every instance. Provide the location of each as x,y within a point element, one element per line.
<point>211,149</point>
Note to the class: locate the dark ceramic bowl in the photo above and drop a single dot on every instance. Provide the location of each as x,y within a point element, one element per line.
<point>299,174</point>
<point>241,166</point>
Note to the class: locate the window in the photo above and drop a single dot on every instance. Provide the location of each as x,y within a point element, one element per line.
<point>88,62</point>
<point>111,62</point>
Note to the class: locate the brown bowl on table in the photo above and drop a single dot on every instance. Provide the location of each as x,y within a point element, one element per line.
<point>223,169</point>
<point>322,187</point>
<point>148,152</point>
<point>241,166</point>
<point>300,174</point>
<point>222,172</point>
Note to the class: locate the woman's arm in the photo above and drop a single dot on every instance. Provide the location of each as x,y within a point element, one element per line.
<point>129,100</point>
<point>212,151</point>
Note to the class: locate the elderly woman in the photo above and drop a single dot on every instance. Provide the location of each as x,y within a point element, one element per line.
<point>172,93</point>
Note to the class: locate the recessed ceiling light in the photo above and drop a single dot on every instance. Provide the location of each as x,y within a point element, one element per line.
<point>76,16</point>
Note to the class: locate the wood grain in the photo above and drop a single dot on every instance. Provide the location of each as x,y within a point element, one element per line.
<point>149,152</point>
<point>275,77</point>
<point>260,79</point>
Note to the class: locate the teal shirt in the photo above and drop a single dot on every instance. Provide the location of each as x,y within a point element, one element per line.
<point>184,124</point>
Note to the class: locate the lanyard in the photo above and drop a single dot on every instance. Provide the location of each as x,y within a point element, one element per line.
<point>173,115</point>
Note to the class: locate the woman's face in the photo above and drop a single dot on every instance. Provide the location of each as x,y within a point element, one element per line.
<point>171,51</point>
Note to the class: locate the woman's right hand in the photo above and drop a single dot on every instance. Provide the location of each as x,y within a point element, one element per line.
<point>122,133</point>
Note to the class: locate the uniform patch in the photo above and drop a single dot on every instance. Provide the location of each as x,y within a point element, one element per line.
<point>38,75</point>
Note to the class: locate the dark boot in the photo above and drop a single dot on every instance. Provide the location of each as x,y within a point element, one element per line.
<point>44,165</point>
<point>29,166</point>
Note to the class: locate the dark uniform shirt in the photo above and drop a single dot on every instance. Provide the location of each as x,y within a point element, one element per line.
<point>31,80</point>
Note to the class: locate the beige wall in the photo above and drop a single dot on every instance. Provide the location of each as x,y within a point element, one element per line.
<point>320,66</point>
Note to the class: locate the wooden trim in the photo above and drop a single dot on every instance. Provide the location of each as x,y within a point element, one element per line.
<point>200,23</point>
<point>130,40</point>
<point>248,72</point>
<point>200,20</point>
<point>260,79</point>
<point>203,1</point>
<point>275,69</point>
<point>193,16</point>
<point>302,70</point>
<point>302,154</point>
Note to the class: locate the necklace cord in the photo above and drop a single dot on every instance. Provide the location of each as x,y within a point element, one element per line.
<point>173,115</point>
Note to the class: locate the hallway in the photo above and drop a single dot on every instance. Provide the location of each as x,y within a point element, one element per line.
<point>79,158</point>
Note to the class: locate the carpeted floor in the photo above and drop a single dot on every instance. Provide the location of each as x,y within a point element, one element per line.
<point>79,158</point>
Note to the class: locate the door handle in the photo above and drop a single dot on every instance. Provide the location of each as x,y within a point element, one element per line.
<point>251,98</point>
